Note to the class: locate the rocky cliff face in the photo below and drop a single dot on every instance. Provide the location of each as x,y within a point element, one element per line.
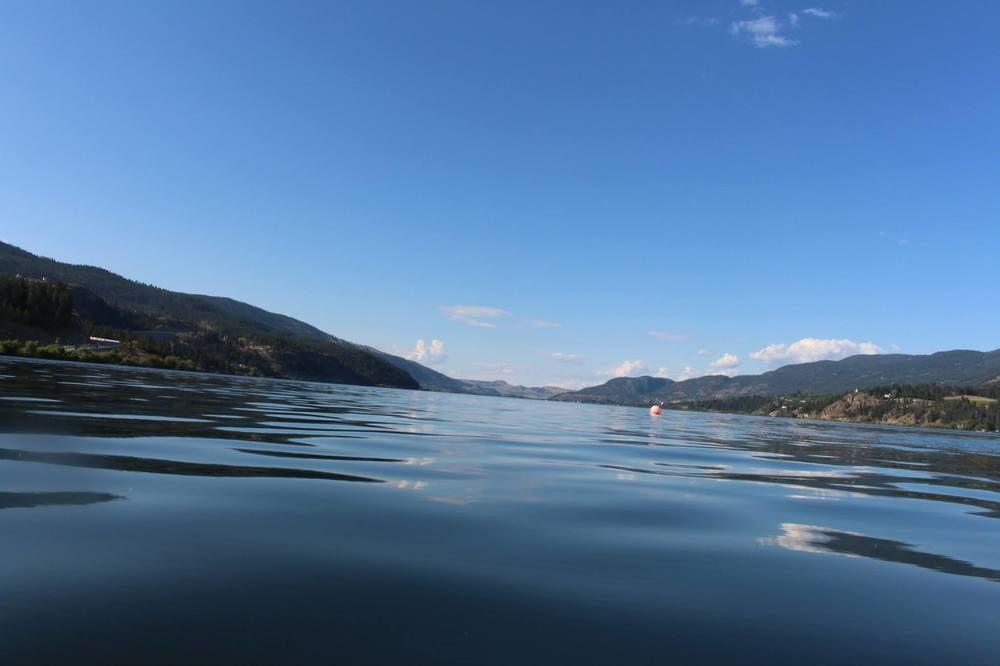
<point>865,407</point>
<point>962,412</point>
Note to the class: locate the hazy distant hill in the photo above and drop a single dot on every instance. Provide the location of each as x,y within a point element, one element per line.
<point>433,380</point>
<point>950,368</point>
<point>429,379</point>
<point>621,388</point>
<point>502,388</point>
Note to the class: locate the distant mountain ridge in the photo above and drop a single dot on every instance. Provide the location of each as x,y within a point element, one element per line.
<point>507,390</point>
<point>951,368</point>
<point>433,380</point>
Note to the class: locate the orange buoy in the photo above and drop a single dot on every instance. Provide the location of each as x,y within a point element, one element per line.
<point>655,410</point>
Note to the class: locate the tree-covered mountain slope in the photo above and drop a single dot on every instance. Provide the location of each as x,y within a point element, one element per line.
<point>61,306</point>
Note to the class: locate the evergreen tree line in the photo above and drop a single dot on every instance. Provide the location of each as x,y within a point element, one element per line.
<point>36,303</point>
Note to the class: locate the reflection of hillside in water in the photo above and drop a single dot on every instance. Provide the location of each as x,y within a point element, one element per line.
<point>30,500</point>
<point>865,461</point>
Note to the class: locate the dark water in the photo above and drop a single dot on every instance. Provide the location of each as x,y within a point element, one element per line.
<point>157,517</point>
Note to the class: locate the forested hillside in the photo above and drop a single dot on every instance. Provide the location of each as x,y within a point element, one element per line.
<point>52,310</point>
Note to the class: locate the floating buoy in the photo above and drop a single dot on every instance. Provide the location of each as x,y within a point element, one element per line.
<point>655,410</point>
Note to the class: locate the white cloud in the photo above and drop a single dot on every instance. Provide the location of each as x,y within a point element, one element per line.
<point>672,336</point>
<point>571,384</point>
<point>475,311</point>
<point>819,13</point>
<point>814,349</point>
<point>687,373</point>
<point>703,352</point>
<point>495,368</point>
<point>626,369</point>
<point>424,353</point>
<point>663,373</point>
<point>567,358</point>
<point>484,316</point>
<point>763,31</point>
<point>727,360</point>
<point>630,367</point>
<point>705,21</point>
<point>474,315</point>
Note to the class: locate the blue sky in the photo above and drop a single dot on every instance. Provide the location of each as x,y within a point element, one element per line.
<point>554,192</point>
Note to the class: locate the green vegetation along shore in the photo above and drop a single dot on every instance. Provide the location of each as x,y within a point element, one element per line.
<point>929,405</point>
<point>127,354</point>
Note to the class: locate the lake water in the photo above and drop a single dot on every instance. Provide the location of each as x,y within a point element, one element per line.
<point>165,517</point>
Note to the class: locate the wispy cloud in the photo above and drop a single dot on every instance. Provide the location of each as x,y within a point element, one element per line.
<point>567,358</point>
<point>807,350</point>
<point>703,352</point>
<point>894,237</point>
<point>687,372</point>
<point>672,336</point>
<point>496,369</point>
<point>482,316</point>
<point>703,21</point>
<point>571,384</point>
<point>485,316</point>
<point>819,13</point>
<point>432,353</point>
<point>763,31</point>
<point>626,369</point>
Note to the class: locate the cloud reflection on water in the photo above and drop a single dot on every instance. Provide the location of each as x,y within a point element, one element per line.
<point>816,539</point>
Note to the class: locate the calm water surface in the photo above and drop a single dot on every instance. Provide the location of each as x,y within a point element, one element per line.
<point>162,517</point>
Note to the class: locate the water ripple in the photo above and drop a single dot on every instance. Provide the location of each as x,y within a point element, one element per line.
<point>573,527</point>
